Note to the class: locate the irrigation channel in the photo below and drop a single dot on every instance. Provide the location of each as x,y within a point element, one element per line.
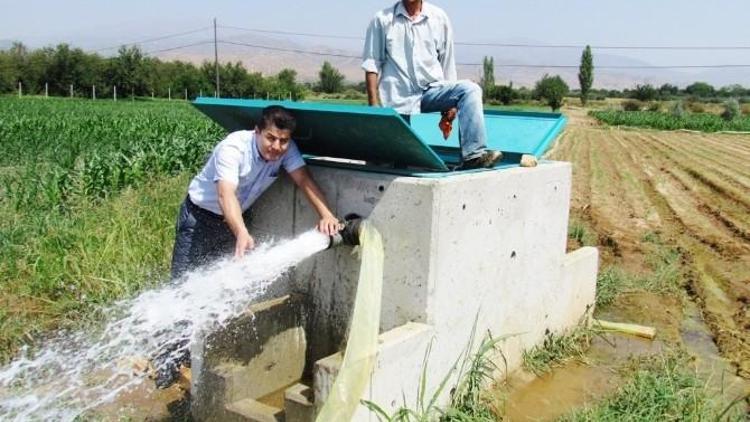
<point>75,372</point>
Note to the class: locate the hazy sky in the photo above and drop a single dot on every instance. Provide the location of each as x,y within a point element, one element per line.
<point>96,24</point>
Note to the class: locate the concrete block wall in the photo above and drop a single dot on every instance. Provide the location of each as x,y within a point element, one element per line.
<point>486,247</point>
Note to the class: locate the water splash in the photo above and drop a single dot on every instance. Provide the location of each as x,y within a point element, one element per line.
<point>78,371</point>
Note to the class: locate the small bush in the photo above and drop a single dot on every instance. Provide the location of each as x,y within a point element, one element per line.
<point>632,105</point>
<point>731,110</point>
<point>552,89</point>
<point>643,93</point>
<point>678,110</point>
<point>746,109</point>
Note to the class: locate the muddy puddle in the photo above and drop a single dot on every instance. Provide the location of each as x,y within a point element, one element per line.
<point>582,383</point>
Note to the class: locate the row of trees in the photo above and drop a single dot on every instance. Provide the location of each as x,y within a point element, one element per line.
<point>71,71</point>
<point>646,92</point>
<point>65,71</point>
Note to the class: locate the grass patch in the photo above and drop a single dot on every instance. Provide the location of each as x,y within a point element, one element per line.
<point>556,350</point>
<point>661,388</point>
<point>468,400</point>
<point>665,275</point>
<point>579,232</point>
<point>59,267</point>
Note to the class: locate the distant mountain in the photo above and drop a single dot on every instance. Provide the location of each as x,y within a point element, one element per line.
<point>308,65</point>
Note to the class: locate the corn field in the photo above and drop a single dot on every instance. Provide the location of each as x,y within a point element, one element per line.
<point>88,196</point>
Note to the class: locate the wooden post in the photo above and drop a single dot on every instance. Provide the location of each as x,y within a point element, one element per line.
<point>186,94</point>
<point>46,90</point>
<point>169,93</point>
<point>114,92</point>
<point>20,89</point>
<point>93,92</point>
<point>71,90</point>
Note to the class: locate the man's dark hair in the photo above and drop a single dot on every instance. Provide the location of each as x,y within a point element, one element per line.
<point>277,116</point>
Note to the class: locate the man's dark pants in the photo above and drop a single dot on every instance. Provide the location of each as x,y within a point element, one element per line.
<point>200,238</point>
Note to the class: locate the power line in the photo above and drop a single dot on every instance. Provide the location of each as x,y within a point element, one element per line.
<point>291,50</point>
<point>575,66</point>
<point>608,47</point>
<point>510,45</point>
<point>148,40</point>
<point>300,34</point>
<point>178,47</point>
<point>320,53</point>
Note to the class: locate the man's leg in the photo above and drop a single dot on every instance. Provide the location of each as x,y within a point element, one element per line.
<point>467,97</point>
<point>200,238</point>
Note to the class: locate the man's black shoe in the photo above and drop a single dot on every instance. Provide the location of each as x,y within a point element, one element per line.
<point>488,159</point>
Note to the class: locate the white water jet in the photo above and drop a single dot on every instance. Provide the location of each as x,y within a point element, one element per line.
<point>78,371</point>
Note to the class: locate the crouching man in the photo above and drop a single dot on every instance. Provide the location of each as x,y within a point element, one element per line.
<point>213,219</point>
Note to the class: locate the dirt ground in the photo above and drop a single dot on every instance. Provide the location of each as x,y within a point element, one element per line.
<point>692,189</point>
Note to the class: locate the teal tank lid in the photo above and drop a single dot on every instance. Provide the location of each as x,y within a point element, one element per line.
<point>379,135</point>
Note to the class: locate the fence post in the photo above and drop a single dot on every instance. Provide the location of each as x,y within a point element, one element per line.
<point>169,93</point>
<point>152,94</point>
<point>114,92</point>
<point>71,90</point>
<point>20,89</point>
<point>46,90</point>
<point>93,92</point>
<point>186,94</point>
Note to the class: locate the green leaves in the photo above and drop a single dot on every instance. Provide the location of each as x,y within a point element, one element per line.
<point>95,149</point>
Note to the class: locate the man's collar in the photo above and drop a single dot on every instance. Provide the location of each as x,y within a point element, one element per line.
<point>423,14</point>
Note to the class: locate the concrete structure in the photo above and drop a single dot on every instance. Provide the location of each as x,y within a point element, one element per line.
<point>482,251</point>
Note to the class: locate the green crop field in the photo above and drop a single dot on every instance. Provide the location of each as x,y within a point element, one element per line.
<point>88,196</point>
<point>703,122</point>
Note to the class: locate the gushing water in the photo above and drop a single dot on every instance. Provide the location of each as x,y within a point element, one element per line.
<point>78,371</point>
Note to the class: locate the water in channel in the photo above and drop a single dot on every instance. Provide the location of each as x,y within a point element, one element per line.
<point>81,370</point>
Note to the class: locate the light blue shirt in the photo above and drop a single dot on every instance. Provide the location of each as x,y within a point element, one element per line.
<point>409,56</point>
<point>237,160</point>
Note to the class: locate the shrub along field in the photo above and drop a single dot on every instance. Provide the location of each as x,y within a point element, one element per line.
<point>88,196</point>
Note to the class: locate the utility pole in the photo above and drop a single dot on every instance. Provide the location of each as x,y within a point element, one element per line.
<point>216,61</point>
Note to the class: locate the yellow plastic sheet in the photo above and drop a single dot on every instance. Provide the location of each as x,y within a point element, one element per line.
<point>361,348</point>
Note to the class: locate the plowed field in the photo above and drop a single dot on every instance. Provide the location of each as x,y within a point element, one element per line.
<point>693,190</point>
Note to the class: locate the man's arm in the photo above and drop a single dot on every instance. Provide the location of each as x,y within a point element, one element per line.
<point>373,56</point>
<point>371,82</point>
<point>232,210</point>
<point>328,223</point>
